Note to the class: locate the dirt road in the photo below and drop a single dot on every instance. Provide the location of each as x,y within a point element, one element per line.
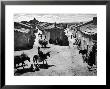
<point>63,61</point>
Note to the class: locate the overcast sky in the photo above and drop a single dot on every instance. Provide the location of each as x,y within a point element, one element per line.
<point>54,17</point>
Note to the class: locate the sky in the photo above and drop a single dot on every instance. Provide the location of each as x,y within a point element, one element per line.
<point>55,17</point>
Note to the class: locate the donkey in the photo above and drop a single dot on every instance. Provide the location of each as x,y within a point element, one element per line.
<point>20,59</point>
<point>41,58</point>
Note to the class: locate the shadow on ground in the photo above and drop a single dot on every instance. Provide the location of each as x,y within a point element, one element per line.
<point>45,66</point>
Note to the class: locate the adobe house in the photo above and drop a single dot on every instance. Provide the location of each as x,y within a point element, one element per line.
<point>57,35</point>
<point>24,36</point>
<point>87,33</point>
<point>52,34</point>
<point>84,36</point>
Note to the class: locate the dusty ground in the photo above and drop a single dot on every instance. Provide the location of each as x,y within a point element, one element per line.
<point>63,61</point>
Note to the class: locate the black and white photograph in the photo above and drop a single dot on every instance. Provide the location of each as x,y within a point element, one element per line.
<point>57,44</point>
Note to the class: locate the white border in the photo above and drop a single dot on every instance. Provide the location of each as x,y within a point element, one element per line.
<point>100,79</point>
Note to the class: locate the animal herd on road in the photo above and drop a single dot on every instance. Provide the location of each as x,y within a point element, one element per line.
<point>41,57</point>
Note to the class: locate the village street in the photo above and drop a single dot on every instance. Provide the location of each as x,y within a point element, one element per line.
<point>63,61</point>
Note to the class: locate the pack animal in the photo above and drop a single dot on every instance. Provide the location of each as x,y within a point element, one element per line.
<point>35,59</point>
<point>20,59</point>
<point>43,43</point>
<point>41,57</point>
